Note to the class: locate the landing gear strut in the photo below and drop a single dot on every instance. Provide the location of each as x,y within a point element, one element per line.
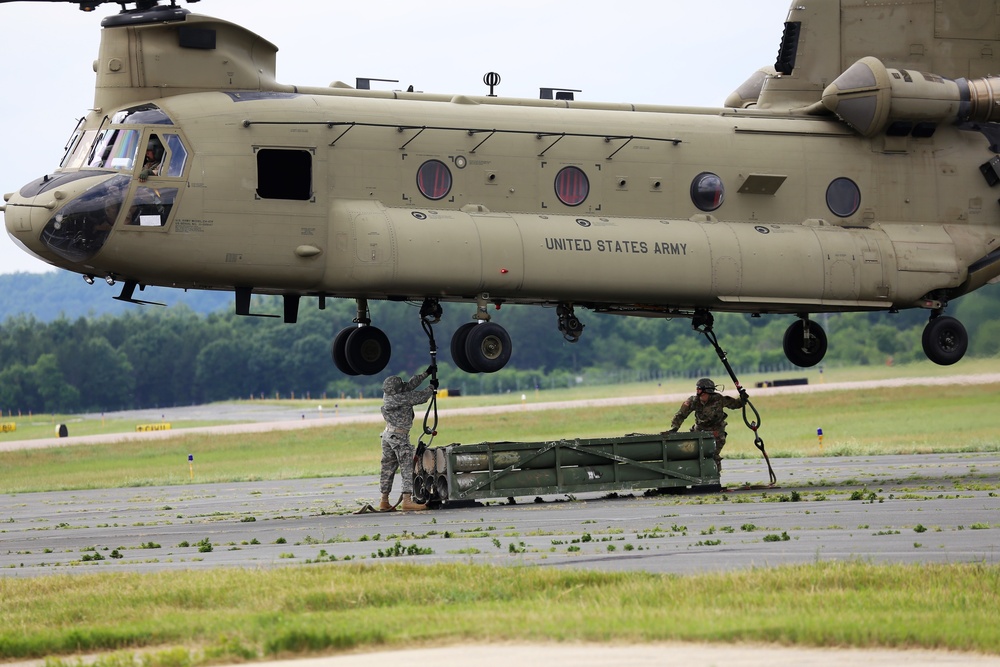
<point>361,349</point>
<point>569,325</point>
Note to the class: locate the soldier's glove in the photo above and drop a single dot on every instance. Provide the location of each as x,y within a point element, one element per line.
<point>744,396</point>
<point>435,383</point>
<point>432,369</point>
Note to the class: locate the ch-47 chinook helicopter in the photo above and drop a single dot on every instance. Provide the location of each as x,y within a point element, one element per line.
<point>858,173</point>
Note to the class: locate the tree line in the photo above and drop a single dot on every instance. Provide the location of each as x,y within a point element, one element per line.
<point>160,357</point>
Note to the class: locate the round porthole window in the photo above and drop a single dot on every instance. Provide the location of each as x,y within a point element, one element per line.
<point>843,197</point>
<point>572,186</point>
<point>434,179</point>
<point>707,191</point>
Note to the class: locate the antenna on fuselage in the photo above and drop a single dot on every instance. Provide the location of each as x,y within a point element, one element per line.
<point>491,79</point>
<point>566,94</point>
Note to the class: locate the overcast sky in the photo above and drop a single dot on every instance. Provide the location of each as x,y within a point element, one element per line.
<point>677,52</point>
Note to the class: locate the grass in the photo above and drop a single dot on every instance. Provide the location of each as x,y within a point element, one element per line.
<point>44,425</point>
<point>874,421</point>
<point>192,618</point>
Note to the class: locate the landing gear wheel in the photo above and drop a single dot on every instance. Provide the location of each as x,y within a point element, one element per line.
<point>458,354</point>
<point>804,349</point>
<point>339,354</point>
<point>367,350</point>
<point>945,340</point>
<point>488,347</point>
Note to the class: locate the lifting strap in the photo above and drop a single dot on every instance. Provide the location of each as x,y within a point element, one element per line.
<point>430,314</point>
<point>703,323</point>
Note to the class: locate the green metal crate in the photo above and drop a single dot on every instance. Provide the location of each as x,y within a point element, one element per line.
<point>509,469</point>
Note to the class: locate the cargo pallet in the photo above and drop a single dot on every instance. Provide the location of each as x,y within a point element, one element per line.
<point>457,473</point>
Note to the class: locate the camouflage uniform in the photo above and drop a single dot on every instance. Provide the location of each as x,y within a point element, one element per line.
<point>397,410</point>
<point>709,417</point>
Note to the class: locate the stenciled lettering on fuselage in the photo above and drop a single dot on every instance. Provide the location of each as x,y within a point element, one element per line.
<point>615,247</point>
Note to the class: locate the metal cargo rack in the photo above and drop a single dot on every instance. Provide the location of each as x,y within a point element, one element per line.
<point>509,469</point>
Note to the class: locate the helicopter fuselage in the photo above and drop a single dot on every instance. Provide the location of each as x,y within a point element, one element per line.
<point>332,194</point>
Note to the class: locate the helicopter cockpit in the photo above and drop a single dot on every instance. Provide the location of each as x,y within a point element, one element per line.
<point>136,189</point>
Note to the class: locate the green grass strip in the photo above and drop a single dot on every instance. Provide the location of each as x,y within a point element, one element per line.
<point>197,617</point>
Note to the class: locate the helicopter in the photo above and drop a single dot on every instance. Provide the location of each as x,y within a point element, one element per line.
<point>856,173</point>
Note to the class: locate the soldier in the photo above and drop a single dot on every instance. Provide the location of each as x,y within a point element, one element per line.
<point>397,410</point>
<point>709,413</point>
<point>154,156</point>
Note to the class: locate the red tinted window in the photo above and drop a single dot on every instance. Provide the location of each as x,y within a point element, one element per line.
<point>572,186</point>
<point>434,179</point>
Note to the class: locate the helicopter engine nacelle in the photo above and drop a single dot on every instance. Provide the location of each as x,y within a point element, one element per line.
<point>748,93</point>
<point>873,98</point>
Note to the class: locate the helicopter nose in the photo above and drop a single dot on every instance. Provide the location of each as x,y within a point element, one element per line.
<point>64,219</point>
<point>24,219</point>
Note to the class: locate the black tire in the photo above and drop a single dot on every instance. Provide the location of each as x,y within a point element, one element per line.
<point>488,347</point>
<point>339,354</point>
<point>458,347</point>
<point>802,350</point>
<point>367,350</point>
<point>945,340</point>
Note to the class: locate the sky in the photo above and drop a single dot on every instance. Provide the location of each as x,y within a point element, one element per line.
<point>673,52</point>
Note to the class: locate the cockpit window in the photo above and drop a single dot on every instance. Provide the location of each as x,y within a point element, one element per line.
<point>115,149</point>
<point>78,149</point>
<point>178,155</point>
<point>78,230</point>
<point>151,207</point>
<point>145,114</point>
<point>165,155</point>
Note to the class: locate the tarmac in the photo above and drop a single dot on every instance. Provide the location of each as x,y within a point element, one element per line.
<point>647,655</point>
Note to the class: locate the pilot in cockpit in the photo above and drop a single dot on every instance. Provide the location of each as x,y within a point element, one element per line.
<point>153,160</point>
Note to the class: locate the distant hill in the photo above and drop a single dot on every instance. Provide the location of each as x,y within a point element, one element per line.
<point>49,295</point>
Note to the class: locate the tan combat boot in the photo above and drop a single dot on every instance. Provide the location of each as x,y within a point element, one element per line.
<point>409,506</point>
<point>385,505</point>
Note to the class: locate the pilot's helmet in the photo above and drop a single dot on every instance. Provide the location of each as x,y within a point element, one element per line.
<point>392,385</point>
<point>155,146</point>
<point>706,385</point>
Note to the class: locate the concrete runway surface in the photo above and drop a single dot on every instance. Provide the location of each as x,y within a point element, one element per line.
<point>895,509</point>
<point>648,655</point>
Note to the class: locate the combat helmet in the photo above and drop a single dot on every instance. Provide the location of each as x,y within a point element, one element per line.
<point>706,385</point>
<point>392,385</point>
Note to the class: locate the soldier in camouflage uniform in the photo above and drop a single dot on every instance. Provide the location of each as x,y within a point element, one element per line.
<point>397,452</point>
<point>709,408</point>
